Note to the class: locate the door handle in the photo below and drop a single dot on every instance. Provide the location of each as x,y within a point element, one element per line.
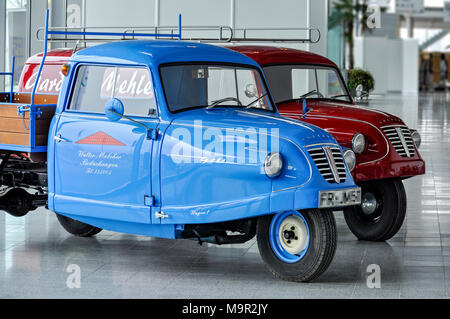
<point>59,138</point>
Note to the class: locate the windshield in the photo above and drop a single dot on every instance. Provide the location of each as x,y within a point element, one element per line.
<point>291,82</point>
<point>203,85</point>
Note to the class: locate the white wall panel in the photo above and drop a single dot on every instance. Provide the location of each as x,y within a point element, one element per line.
<point>123,13</point>
<point>37,20</point>
<point>394,65</point>
<point>374,58</point>
<point>410,58</point>
<point>269,13</point>
<point>195,12</point>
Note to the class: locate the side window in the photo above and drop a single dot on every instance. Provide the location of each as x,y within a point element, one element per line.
<point>87,93</point>
<point>95,85</point>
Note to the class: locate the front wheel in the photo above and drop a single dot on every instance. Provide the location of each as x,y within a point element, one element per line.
<point>382,210</point>
<point>297,246</point>
<point>77,228</point>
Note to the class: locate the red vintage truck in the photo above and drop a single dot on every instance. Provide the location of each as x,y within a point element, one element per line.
<point>310,87</point>
<point>386,149</point>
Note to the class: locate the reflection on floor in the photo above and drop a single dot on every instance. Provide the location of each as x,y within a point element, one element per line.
<point>35,252</point>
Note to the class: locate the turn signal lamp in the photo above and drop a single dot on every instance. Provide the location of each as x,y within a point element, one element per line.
<point>65,69</point>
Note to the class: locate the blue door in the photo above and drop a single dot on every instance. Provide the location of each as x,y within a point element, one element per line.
<point>103,168</point>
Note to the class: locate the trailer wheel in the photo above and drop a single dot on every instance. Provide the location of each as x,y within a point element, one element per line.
<point>77,228</point>
<point>381,213</point>
<point>297,246</point>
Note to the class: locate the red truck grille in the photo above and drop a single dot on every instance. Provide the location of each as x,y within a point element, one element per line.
<point>401,140</point>
<point>330,163</point>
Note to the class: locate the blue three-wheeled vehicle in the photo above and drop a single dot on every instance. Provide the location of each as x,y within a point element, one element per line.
<point>178,139</point>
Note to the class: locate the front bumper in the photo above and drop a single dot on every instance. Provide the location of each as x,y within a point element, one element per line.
<point>389,169</point>
<point>307,197</point>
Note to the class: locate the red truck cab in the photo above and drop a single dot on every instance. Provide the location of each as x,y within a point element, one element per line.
<point>386,149</point>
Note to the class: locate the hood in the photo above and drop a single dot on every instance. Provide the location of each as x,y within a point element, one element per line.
<point>301,133</point>
<point>343,111</point>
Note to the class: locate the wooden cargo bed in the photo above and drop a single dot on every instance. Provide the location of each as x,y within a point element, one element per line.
<point>19,132</point>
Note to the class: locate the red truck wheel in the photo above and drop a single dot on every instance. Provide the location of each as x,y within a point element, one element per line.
<point>313,230</point>
<point>77,228</point>
<point>381,213</point>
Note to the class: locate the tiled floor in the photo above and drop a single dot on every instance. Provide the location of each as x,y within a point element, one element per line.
<point>35,251</point>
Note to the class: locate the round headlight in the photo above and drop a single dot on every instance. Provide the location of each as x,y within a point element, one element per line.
<point>416,138</point>
<point>350,159</point>
<point>358,143</point>
<point>273,164</point>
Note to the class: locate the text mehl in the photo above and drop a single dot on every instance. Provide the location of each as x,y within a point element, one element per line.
<point>129,83</point>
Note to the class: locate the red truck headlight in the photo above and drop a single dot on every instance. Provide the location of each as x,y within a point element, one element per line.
<point>416,138</point>
<point>358,143</point>
<point>350,159</point>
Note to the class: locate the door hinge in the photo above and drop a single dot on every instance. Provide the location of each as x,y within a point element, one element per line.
<point>152,134</point>
<point>149,200</point>
<point>161,215</point>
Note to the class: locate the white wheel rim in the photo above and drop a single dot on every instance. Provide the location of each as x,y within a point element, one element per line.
<point>293,234</point>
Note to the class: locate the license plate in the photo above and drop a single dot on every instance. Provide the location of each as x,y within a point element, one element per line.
<point>339,198</point>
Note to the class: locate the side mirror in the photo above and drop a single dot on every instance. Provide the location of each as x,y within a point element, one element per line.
<point>359,90</point>
<point>114,109</point>
<point>250,90</point>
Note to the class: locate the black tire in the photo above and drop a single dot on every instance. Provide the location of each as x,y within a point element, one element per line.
<point>77,228</point>
<point>388,215</point>
<point>16,202</point>
<point>318,256</point>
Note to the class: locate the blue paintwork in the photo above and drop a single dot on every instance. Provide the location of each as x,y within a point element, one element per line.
<point>274,239</point>
<point>121,184</point>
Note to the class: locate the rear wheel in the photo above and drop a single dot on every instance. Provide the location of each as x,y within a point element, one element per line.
<point>381,213</point>
<point>77,228</point>
<point>297,246</point>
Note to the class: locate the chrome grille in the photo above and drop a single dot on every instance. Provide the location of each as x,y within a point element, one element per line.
<point>331,173</point>
<point>401,140</point>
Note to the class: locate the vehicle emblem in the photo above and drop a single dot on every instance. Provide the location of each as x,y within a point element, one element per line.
<point>100,138</point>
<point>332,163</point>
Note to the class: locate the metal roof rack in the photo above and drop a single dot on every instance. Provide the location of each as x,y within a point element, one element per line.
<point>175,33</point>
<point>228,34</point>
<point>209,34</point>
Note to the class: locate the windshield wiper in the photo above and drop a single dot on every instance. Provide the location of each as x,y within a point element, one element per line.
<point>227,99</point>
<point>320,95</point>
<point>250,105</point>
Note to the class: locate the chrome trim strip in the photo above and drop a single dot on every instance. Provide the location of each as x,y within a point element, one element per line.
<point>402,139</point>
<point>322,144</point>
<point>332,163</point>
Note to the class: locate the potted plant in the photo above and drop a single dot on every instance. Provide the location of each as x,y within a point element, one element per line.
<point>360,82</point>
